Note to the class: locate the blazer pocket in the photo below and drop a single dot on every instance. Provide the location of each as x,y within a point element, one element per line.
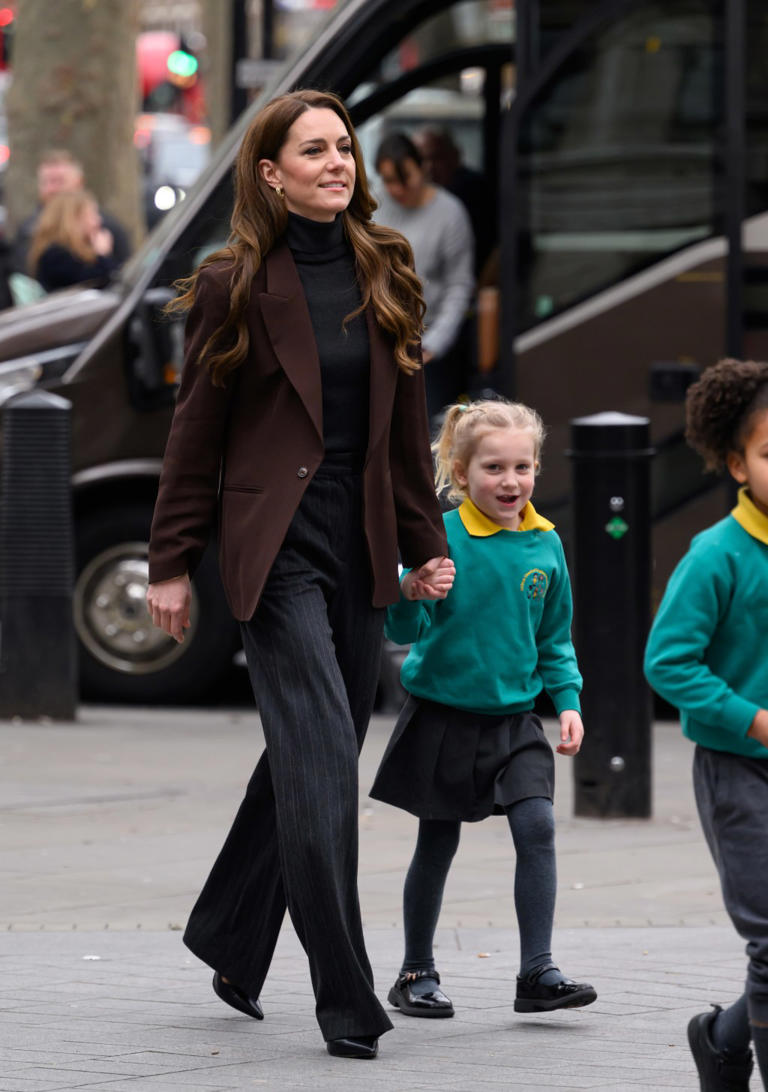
<point>242,489</point>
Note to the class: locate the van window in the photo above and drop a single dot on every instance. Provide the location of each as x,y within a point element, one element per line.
<point>618,155</point>
<point>467,23</point>
<point>458,108</point>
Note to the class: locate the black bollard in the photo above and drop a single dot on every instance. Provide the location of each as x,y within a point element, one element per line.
<point>38,669</point>
<point>611,455</point>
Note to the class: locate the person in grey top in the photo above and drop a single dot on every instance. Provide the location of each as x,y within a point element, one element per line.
<point>438,228</point>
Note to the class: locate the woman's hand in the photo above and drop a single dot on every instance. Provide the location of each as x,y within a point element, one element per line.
<point>432,580</point>
<point>168,603</point>
<point>571,733</point>
<point>102,242</point>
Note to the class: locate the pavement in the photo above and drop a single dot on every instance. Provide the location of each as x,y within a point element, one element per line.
<point>109,825</point>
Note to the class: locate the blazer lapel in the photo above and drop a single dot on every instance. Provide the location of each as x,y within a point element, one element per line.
<point>286,317</point>
<point>383,380</point>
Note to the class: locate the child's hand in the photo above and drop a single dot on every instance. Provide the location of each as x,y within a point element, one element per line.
<point>758,729</point>
<point>571,733</point>
<point>433,580</point>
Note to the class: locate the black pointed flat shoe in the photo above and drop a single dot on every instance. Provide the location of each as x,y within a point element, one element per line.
<point>238,999</point>
<point>534,996</point>
<point>434,1004</point>
<point>367,1046</point>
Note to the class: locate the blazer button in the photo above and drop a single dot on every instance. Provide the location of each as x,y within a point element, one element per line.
<point>302,472</point>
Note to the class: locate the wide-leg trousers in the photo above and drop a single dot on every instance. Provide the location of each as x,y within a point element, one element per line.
<point>313,650</point>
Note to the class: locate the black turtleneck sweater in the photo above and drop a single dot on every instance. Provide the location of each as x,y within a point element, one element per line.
<point>326,265</point>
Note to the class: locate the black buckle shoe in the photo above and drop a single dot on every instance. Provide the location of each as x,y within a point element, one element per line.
<point>534,996</point>
<point>364,1047</point>
<point>237,998</point>
<point>433,1004</point>
<point>718,1071</point>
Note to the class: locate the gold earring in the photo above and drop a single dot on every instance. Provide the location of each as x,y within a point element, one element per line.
<point>279,191</point>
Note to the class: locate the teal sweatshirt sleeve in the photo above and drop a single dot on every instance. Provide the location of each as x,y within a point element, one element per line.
<point>676,653</point>
<point>407,620</point>
<point>556,656</point>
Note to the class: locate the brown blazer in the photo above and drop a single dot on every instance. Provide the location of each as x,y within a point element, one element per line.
<point>252,447</point>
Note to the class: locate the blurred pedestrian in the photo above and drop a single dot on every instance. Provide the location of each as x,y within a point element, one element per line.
<point>70,245</point>
<point>443,165</point>
<point>301,419</point>
<point>59,172</point>
<point>707,654</point>
<point>437,226</point>
<point>467,743</point>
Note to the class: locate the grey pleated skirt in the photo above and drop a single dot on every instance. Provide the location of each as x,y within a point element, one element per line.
<point>446,763</point>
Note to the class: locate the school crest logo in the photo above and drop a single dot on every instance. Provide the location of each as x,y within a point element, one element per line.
<point>534,584</point>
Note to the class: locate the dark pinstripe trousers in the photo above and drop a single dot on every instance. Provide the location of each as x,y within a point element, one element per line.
<point>313,649</point>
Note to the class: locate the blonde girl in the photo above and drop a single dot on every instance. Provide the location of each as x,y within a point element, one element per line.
<point>467,743</point>
<point>70,245</point>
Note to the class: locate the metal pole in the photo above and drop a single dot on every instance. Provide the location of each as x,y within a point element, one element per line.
<point>239,97</point>
<point>38,668</point>
<point>268,30</point>
<point>735,172</point>
<point>611,562</point>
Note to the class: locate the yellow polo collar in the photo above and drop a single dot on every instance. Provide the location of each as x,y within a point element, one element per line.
<point>479,525</point>
<point>750,517</point>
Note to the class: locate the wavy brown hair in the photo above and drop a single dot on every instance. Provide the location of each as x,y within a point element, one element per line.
<point>383,256</point>
<point>720,407</point>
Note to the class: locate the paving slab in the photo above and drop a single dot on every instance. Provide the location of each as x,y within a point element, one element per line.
<point>107,829</point>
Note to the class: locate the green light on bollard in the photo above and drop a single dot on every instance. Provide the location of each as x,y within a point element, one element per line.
<point>616,527</point>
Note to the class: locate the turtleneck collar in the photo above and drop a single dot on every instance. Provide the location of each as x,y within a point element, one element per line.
<point>315,240</point>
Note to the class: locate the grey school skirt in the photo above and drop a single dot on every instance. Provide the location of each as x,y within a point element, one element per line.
<point>446,763</point>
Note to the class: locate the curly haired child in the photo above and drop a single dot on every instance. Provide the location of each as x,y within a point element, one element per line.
<point>707,654</point>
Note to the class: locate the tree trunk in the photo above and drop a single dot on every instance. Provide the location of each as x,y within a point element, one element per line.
<point>74,86</point>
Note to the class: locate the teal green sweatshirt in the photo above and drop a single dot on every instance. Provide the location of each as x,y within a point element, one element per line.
<point>707,652</point>
<point>504,631</point>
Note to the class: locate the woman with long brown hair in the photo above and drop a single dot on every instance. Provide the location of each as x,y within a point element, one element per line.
<point>300,421</point>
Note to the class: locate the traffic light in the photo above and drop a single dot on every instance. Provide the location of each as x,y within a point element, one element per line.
<point>182,67</point>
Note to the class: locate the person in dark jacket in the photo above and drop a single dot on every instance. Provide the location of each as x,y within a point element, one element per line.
<point>301,420</point>
<point>70,244</point>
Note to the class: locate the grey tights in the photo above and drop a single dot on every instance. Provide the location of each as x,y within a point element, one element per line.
<point>533,831</point>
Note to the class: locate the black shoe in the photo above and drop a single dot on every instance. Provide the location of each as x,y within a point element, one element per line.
<point>434,1003</point>
<point>238,999</point>
<point>366,1046</point>
<point>534,996</point>
<point>718,1070</point>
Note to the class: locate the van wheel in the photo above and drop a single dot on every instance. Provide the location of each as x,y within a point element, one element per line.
<point>123,657</point>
